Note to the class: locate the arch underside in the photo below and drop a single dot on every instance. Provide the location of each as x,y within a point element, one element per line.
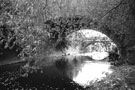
<point>64,26</point>
<point>67,25</point>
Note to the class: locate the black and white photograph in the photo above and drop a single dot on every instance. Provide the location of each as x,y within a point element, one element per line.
<point>67,44</point>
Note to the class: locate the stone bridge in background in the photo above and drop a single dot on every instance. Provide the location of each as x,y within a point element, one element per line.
<point>67,25</point>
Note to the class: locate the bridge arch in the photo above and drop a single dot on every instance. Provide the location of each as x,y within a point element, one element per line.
<point>67,25</point>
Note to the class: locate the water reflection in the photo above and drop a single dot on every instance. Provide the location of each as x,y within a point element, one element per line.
<point>82,69</point>
<point>91,72</point>
<point>87,56</point>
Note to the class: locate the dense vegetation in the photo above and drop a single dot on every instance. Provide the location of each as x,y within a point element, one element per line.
<point>32,29</point>
<point>35,28</point>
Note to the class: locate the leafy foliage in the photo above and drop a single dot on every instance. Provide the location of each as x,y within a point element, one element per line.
<point>8,42</point>
<point>35,29</point>
<point>40,28</point>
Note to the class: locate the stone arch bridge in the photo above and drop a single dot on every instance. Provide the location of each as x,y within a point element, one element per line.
<point>62,26</point>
